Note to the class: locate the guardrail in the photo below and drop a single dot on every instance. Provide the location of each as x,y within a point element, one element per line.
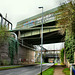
<point>9,24</point>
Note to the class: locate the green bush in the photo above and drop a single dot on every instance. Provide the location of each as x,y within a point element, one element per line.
<point>70,47</point>
<point>3,35</point>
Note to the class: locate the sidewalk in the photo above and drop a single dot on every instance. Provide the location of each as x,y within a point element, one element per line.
<point>58,70</point>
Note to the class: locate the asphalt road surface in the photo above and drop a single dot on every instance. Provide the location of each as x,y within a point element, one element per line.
<point>28,70</point>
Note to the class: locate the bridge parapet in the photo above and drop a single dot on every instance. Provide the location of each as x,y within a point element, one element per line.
<point>36,20</point>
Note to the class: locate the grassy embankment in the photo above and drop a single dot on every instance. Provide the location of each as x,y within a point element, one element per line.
<point>40,63</point>
<point>66,71</point>
<point>49,71</point>
<point>9,67</point>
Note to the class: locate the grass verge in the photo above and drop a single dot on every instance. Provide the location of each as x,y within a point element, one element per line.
<point>56,64</point>
<point>66,71</point>
<point>61,63</point>
<point>49,71</point>
<point>40,63</point>
<point>10,67</point>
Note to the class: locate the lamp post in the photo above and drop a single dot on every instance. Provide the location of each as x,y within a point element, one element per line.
<point>41,37</point>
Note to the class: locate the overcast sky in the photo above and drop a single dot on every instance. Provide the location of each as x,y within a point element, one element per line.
<point>18,10</point>
<point>53,46</point>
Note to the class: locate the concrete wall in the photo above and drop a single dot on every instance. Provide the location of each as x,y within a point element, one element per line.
<point>4,55</point>
<point>25,56</point>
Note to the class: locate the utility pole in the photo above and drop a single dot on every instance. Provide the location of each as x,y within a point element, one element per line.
<point>41,38</point>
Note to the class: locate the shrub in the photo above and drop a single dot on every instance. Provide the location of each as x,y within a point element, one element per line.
<point>3,35</point>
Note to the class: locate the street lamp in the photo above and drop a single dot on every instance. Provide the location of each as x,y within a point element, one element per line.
<point>41,37</point>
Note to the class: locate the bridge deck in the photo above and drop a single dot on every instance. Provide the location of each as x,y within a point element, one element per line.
<point>48,16</point>
<point>53,37</point>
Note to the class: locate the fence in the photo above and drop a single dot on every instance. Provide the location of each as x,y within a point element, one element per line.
<point>5,22</point>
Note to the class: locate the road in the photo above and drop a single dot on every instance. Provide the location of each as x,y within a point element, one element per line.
<point>28,70</point>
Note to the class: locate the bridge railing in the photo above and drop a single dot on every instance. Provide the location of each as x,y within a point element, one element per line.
<point>5,22</point>
<point>37,21</point>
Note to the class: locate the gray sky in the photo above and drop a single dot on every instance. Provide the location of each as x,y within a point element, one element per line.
<point>53,46</point>
<point>18,10</point>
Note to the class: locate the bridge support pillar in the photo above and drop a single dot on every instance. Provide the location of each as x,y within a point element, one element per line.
<point>19,33</point>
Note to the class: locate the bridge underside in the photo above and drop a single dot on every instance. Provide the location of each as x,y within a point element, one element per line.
<point>32,36</point>
<point>51,37</point>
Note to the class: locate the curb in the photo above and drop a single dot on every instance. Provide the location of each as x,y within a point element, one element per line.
<point>10,67</point>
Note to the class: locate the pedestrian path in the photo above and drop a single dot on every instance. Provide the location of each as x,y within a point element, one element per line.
<point>58,70</point>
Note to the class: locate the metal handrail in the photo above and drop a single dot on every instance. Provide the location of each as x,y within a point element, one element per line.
<point>2,18</point>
